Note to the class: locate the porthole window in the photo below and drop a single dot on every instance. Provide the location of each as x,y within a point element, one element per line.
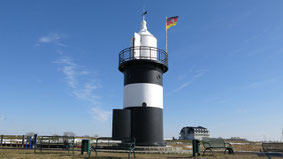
<point>144,104</point>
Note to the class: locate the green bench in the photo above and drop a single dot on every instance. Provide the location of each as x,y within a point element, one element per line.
<point>273,149</point>
<point>115,145</point>
<point>212,143</point>
<point>55,143</point>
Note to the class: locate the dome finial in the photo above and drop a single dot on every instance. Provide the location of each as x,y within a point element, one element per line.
<point>143,23</point>
<point>143,26</point>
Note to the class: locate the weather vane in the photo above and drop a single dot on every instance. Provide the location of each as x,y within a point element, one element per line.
<point>143,15</point>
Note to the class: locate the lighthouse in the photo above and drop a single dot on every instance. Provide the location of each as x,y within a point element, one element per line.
<point>143,65</point>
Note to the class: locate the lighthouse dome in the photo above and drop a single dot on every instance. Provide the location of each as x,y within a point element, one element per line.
<point>143,37</point>
<point>143,49</point>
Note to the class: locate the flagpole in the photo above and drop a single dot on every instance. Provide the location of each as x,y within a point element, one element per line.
<point>166,34</point>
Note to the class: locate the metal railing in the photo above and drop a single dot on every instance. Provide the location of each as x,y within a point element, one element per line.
<point>143,52</point>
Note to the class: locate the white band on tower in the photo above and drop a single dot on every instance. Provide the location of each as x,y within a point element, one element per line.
<point>137,94</point>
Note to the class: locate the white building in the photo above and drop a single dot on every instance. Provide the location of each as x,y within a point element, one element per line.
<point>190,133</point>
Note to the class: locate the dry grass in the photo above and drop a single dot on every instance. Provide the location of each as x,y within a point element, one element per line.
<point>238,146</point>
<point>255,147</point>
<point>29,154</point>
<point>185,145</point>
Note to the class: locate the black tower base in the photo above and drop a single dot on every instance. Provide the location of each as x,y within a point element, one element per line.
<point>146,125</point>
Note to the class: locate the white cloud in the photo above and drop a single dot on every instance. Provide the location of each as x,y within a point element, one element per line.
<point>59,52</point>
<point>182,86</point>
<point>196,74</point>
<point>70,71</point>
<point>2,118</point>
<point>53,38</point>
<point>199,73</point>
<point>76,77</point>
<point>181,77</point>
<point>87,93</point>
<point>265,82</point>
<point>70,75</point>
<point>81,87</point>
<point>84,72</point>
<point>100,114</point>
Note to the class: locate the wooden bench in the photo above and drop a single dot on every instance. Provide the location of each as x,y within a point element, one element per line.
<point>115,145</point>
<point>274,149</point>
<point>210,144</point>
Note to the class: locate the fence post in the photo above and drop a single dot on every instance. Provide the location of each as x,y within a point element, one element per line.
<point>23,141</point>
<point>1,139</point>
<point>16,140</point>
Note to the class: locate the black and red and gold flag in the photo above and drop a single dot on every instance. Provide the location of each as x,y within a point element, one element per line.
<point>171,21</point>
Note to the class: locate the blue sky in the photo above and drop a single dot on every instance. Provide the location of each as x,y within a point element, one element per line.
<point>59,65</point>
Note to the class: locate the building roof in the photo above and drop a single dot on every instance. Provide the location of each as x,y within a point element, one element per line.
<point>193,128</point>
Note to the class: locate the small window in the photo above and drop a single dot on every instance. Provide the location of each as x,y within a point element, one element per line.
<point>158,77</point>
<point>144,104</point>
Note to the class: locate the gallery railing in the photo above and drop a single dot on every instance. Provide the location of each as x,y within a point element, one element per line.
<point>143,52</point>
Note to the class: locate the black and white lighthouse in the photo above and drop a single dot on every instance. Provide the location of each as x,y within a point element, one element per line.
<point>143,66</point>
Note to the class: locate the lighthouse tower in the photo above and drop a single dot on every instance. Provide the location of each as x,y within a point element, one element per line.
<point>143,66</point>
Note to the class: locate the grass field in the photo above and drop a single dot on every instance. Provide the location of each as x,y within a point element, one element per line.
<point>241,148</point>
<point>29,154</point>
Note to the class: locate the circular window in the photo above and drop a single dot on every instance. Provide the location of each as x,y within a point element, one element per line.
<point>144,104</point>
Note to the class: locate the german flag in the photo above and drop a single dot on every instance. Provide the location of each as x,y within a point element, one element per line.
<point>171,21</point>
